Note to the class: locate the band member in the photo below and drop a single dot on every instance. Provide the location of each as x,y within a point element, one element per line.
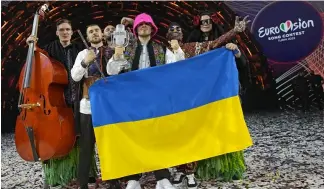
<point>86,69</point>
<point>207,37</point>
<point>141,54</point>
<point>184,174</point>
<point>174,37</point>
<point>107,35</point>
<point>65,52</point>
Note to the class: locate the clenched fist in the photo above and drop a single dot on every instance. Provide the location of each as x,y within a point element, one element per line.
<point>174,44</point>
<point>127,21</point>
<point>90,56</point>
<point>31,39</point>
<point>231,46</point>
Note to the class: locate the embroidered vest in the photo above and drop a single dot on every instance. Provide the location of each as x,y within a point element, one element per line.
<point>158,52</point>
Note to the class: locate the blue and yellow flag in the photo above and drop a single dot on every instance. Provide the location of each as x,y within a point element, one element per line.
<point>168,115</point>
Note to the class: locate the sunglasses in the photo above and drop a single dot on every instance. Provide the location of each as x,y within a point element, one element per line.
<point>175,28</point>
<point>205,22</point>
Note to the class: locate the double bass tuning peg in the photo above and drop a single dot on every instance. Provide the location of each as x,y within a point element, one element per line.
<point>43,9</point>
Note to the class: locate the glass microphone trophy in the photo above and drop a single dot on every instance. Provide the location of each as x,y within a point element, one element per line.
<point>120,38</point>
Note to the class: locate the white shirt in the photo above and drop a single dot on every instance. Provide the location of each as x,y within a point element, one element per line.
<point>77,73</point>
<point>171,57</point>
<point>144,61</point>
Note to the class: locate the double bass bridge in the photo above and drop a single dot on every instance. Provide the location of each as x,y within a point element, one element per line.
<point>29,106</point>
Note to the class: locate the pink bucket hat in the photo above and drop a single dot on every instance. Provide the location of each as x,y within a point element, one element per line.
<point>144,18</point>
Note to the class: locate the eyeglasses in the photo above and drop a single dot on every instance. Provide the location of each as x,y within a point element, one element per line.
<point>175,28</point>
<point>205,22</point>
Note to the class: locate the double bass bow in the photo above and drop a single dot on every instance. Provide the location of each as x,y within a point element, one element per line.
<point>45,124</point>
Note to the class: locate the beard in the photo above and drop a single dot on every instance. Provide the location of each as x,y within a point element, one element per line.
<point>95,41</point>
<point>174,36</point>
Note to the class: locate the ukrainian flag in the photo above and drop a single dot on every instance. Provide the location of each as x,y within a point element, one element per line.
<point>168,115</point>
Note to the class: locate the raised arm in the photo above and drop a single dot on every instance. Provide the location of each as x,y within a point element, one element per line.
<point>83,60</point>
<point>239,26</point>
<point>174,55</point>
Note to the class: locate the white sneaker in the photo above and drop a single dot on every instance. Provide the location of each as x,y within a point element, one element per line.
<point>191,182</point>
<point>133,184</point>
<point>172,171</point>
<point>178,180</point>
<point>164,184</point>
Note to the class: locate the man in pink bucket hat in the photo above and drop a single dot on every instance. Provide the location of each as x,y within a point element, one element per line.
<point>142,53</point>
<point>144,18</point>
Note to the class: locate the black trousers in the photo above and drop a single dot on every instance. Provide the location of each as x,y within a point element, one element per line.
<point>159,175</point>
<point>87,141</point>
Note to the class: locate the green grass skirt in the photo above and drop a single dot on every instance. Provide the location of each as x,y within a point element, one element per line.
<point>225,167</point>
<point>63,170</point>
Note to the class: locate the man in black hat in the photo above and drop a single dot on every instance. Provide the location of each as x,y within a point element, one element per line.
<point>208,36</point>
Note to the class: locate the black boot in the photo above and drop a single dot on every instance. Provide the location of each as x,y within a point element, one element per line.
<point>114,185</point>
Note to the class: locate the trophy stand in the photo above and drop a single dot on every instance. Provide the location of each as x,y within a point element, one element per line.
<point>120,38</point>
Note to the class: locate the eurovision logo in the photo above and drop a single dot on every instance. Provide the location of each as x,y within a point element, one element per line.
<point>286,27</point>
<point>288,35</point>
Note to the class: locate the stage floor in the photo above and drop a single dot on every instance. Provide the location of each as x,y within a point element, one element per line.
<point>287,153</point>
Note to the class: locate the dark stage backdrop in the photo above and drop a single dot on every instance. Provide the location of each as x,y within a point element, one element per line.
<point>257,77</point>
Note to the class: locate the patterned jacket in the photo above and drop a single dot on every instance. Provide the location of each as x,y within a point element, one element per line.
<point>196,48</point>
<point>159,52</point>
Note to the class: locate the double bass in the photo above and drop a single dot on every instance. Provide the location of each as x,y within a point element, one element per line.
<point>45,124</point>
